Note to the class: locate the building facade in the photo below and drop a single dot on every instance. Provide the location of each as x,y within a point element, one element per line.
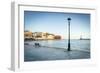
<point>28,35</point>
<point>40,36</point>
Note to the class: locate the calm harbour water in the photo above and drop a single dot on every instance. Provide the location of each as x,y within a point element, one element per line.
<point>75,44</point>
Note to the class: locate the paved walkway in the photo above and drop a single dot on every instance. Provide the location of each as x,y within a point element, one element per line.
<point>32,53</point>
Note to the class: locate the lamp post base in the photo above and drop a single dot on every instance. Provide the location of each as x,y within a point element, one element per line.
<point>68,49</point>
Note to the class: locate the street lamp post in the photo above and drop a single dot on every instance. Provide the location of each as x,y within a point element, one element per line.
<point>69,19</point>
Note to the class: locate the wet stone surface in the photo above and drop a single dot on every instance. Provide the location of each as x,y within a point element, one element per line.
<point>32,53</point>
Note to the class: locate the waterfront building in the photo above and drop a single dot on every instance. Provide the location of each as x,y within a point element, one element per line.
<point>40,36</point>
<point>51,36</point>
<point>28,35</point>
<point>57,37</point>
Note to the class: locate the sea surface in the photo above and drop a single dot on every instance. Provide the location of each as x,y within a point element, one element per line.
<point>75,44</point>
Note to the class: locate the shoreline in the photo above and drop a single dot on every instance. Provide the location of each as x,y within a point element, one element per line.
<point>54,39</point>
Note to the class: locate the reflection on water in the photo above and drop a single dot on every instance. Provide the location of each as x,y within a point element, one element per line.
<point>75,44</point>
